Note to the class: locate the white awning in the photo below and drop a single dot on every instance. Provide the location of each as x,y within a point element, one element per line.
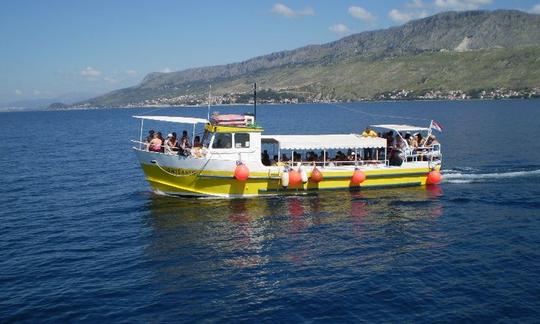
<point>323,142</point>
<point>402,128</point>
<point>174,119</point>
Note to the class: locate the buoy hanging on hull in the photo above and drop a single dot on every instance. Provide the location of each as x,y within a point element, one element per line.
<point>295,179</point>
<point>316,175</point>
<point>303,174</point>
<point>434,177</point>
<point>285,179</point>
<point>241,172</point>
<point>358,177</point>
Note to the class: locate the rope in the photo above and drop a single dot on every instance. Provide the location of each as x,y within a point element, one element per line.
<point>377,115</point>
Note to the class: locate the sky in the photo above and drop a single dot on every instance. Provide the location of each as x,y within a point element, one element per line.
<point>52,48</point>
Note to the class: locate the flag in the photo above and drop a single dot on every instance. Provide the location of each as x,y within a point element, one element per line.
<point>436,126</point>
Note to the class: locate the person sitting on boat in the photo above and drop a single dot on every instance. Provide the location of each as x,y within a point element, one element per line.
<point>284,157</point>
<point>185,140</point>
<point>419,139</point>
<point>265,158</point>
<point>155,143</point>
<point>170,144</point>
<point>368,152</point>
<point>275,160</point>
<point>431,140</point>
<point>433,147</point>
<point>150,135</point>
<point>197,142</point>
<point>340,156</point>
<point>368,132</point>
<point>432,143</point>
<point>184,147</point>
<point>160,136</point>
<point>389,139</point>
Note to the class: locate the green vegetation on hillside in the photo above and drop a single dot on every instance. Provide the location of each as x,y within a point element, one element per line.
<point>454,54</point>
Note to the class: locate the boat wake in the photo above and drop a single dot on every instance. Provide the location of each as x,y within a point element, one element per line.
<point>474,176</point>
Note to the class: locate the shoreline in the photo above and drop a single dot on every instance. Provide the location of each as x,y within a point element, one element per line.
<point>46,109</point>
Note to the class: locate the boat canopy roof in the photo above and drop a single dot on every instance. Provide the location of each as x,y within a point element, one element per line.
<point>174,119</point>
<point>402,128</point>
<point>323,142</point>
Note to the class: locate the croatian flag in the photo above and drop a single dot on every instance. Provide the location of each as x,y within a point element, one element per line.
<point>436,126</point>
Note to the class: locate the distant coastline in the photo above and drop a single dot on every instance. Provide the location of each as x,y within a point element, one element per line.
<point>270,97</point>
<point>23,109</point>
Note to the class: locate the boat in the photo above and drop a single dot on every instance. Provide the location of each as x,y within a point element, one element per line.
<point>233,160</point>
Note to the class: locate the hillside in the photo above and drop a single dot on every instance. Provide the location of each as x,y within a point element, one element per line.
<point>466,51</point>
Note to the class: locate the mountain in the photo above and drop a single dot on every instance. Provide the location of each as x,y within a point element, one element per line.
<point>42,103</point>
<point>467,51</point>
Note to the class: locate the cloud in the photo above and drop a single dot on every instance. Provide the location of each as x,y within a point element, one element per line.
<point>361,13</point>
<point>166,70</point>
<point>131,72</point>
<point>307,11</point>
<point>536,9</point>
<point>283,10</point>
<point>404,16</point>
<point>18,92</point>
<point>90,72</point>
<point>339,29</point>
<point>461,4</point>
<point>417,4</point>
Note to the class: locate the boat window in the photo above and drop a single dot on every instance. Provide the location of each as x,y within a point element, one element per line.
<point>241,140</point>
<point>222,140</point>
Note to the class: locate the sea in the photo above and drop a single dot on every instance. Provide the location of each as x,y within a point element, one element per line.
<point>84,239</point>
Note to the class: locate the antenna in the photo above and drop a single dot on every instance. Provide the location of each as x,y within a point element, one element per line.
<point>255,100</point>
<point>208,115</point>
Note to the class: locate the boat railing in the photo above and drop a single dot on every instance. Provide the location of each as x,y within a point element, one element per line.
<point>329,163</point>
<point>145,146</point>
<point>423,153</point>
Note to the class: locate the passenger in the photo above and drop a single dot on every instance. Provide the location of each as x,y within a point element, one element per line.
<point>389,139</point>
<point>185,140</point>
<point>368,132</point>
<point>284,158</point>
<point>170,144</point>
<point>275,160</point>
<point>155,144</point>
<point>414,141</point>
<point>431,140</point>
<point>399,143</point>
<point>197,142</point>
<point>368,152</point>
<point>150,135</point>
<point>160,136</point>
<point>265,158</point>
<point>184,145</point>
<point>175,147</point>
<point>407,138</point>
<point>419,140</point>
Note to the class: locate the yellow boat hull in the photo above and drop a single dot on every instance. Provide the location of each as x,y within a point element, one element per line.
<point>187,182</point>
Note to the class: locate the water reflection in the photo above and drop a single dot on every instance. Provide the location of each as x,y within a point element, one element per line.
<point>204,238</point>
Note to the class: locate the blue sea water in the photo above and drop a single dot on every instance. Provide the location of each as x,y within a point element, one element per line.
<point>82,238</point>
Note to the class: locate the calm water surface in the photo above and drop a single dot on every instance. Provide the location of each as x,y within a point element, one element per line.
<point>83,239</point>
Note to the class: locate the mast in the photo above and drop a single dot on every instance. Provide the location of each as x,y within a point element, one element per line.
<point>255,100</point>
<point>208,114</point>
